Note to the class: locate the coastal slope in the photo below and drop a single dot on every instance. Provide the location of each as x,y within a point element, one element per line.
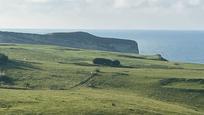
<point>80,40</point>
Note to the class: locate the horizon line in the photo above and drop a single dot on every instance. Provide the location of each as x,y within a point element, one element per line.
<point>120,29</point>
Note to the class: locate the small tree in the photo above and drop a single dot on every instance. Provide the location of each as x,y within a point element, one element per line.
<point>3,62</point>
<point>27,85</point>
<point>116,63</point>
<point>3,59</point>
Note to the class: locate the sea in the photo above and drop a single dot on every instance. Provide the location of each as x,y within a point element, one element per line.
<point>175,45</point>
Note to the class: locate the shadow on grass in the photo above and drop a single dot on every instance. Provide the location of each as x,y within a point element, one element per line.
<point>126,66</point>
<point>68,49</point>
<point>6,80</point>
<point>166,82</point>
<point>18,64</point>
<point>97,65</point>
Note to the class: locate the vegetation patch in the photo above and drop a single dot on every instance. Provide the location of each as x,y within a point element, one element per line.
<point>184,84</point>
<point>67,49</point>
<point>120,74</point>
<point>24,65</point>
<point>172,80</point>
<point>84,64</point>
<point>7,44</point>
<point>5,104</point>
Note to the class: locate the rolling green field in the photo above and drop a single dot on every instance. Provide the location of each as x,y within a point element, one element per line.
<point>42,79</point>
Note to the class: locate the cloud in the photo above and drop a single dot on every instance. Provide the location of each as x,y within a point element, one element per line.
<point>157,3</point>
<point>102,13</point>
<point>194,2</point>
<point>38,1</point>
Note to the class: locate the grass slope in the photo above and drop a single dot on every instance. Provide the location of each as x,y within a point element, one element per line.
<point>81,40</point>
<point>39,80</point>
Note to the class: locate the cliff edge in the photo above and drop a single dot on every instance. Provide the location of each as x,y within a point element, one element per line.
<point>80,40</point>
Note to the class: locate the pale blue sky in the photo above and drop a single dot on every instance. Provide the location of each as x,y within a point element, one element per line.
<point>102,14</point>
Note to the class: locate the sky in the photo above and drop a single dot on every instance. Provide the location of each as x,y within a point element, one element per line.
<point>102,14</point>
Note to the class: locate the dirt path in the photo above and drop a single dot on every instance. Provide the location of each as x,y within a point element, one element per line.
<point>93,74</point>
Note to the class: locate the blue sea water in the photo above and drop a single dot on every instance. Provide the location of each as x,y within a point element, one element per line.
<point>184,46</point>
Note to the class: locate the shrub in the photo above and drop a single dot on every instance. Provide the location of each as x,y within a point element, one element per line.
<point>3,63</point>
<point>3,59</point>
<point>6,80</point>
<point>107,62</point>
<point>116,63</point>
<point>97,70</point>
<point>27,85</point>
<point>102,61</point>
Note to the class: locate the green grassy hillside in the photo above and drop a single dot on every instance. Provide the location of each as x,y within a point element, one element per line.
<point>48,80</point>
<point>81,40</point>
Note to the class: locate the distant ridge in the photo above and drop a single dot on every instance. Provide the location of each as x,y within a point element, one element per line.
<point>80,40</point>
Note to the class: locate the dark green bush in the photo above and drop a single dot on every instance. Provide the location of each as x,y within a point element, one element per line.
<point>116,63</point>
<point>3,59</point>
<point>107,62</point>
<point>6,80</point>
<point>102,61</point>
